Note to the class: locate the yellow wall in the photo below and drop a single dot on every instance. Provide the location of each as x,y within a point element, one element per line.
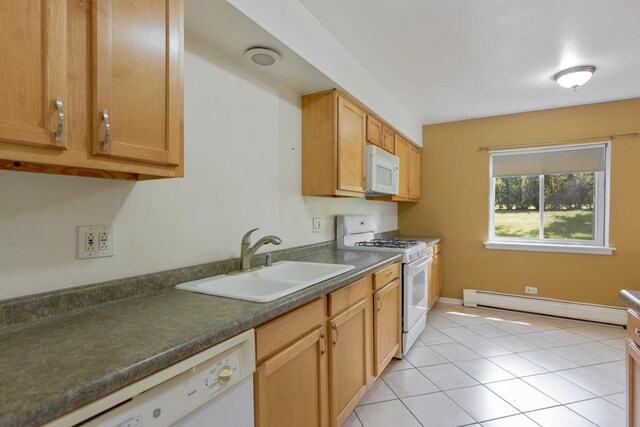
<point>455,194</point>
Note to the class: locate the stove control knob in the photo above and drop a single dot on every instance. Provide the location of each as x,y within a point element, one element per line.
<point>225,374</point>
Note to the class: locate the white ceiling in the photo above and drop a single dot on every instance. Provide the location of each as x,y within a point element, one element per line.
<point>450,60</point>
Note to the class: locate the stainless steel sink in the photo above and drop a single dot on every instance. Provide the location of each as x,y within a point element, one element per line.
<point>269,283</point>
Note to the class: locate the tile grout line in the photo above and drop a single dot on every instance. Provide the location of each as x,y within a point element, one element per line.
<point>548,370</point>
<point>510,333</point>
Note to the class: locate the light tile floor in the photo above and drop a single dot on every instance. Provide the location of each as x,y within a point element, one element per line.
<point>498,368</point>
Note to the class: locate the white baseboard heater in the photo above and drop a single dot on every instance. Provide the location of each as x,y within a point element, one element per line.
<point>552,307</point>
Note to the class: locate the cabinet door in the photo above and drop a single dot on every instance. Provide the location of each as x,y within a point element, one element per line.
<point>350,357</point>
<point>437,260</point>
<point>137,112</point>
<point>33,77</point>
<point>414,172</point>
<point>402,151</point>
<point>374,131</point>
<point>351,142</point>
<point>291,386</point>
<point>431,283</point>
<point>388,139</point>
<point>633,384</point>
<point>386,325</point>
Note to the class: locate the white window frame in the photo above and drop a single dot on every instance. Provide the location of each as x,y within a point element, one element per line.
<point>600,243</point>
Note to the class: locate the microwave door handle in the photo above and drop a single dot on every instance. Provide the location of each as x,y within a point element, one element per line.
<point>396,184</point>
<point>371,173</point>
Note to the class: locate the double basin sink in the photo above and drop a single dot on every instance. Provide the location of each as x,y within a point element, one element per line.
<point>269,283</point>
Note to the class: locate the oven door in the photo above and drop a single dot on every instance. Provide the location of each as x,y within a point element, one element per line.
<point>414,292</point>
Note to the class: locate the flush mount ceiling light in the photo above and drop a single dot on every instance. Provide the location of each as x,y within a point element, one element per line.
<point>262,56</point>
<point>572,78</point>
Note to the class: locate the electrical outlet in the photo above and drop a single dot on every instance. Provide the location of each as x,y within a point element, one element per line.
<point>95,241</point>
<point>317,225</point>
<point>531,290</point>
<point>89,242</point>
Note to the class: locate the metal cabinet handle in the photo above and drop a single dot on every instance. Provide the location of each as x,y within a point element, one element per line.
<point>335,329</point>
<point>323,347</point>
<point>60,120</point>
<point>379,304</point>
<point>107,130</point>
<point>389,273</point>
<point>638,332</point>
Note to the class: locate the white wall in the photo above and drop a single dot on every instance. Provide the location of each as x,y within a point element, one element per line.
<point>242,143</point>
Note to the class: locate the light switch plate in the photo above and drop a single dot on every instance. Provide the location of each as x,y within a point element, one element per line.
<point>317,225</point>
<point>95,241</point>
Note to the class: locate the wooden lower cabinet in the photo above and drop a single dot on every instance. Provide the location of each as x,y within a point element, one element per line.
<point>349,360</point>
<point>387,326</point>
<point>633,384</point>
<point>435,276</point>
<point>633,369</point>
<point>290,387</point>
<point>316,362</point>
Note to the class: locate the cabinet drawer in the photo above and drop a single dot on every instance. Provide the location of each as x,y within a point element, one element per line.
<point>434,249</point>
<point>349,295</point>
<point>386,275</point>
<point>287,328</point>
<point>633,325</point>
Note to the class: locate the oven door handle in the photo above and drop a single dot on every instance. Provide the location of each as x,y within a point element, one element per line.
<point>420,262</point>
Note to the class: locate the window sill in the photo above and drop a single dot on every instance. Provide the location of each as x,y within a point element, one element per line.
<point>548,247</point>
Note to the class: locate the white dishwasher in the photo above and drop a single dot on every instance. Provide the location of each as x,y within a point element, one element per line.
<point>210,389</point>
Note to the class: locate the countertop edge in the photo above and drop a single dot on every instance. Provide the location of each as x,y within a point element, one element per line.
<point>631,297</point>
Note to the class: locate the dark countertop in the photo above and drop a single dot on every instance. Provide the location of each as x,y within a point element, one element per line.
<point>632,298</point>
<point>52,366</point>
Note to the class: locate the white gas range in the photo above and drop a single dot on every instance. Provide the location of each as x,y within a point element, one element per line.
<point>358,233</point>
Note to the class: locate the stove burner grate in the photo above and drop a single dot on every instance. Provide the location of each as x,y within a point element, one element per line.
<point>388,243</point>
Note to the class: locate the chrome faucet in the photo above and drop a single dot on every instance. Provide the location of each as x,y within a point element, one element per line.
<point>247,251</point>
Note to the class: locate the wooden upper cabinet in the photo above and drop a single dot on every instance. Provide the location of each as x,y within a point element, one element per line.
<point>351,136</point>
<point>33,94</point>
<point>402,152</point>
<point>388,139</point>
<point>333,146</point>
<point>137,81</point>
<point>379,134</point>
<point>414,172</point>
<point>75,72</point>
<point>374,131</point>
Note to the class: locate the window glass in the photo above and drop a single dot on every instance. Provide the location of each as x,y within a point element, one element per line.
<point>516,211</point>
<point>569,203</point>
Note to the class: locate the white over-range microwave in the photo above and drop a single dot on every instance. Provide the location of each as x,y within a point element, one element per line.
<point>382,171</point>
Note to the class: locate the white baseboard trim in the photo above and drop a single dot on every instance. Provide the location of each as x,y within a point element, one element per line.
<point>450,301</point>
<point>552,307</point>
